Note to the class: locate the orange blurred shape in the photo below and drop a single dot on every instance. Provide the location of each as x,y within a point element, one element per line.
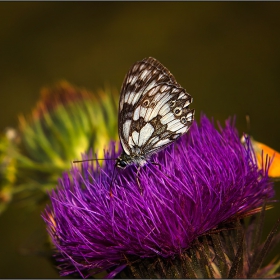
<point>261,150</point>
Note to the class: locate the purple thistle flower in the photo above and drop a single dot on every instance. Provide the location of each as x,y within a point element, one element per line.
<point>202,180</point>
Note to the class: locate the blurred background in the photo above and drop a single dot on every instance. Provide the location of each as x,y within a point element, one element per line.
<point>226,55</point>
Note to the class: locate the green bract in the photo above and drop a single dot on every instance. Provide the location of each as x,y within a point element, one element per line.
<point>66,122</point>
<point>8,167</point>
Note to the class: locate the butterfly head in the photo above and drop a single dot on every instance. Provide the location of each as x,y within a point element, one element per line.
<point>121,163</point>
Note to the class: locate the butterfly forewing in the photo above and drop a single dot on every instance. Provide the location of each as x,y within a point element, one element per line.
<point>153,110</point>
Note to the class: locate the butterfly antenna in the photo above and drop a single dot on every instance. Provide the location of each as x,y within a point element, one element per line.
<point>92,159</point>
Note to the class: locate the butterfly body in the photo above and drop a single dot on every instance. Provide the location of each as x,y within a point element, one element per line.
<point>153,112</point>
<point>124,160</point>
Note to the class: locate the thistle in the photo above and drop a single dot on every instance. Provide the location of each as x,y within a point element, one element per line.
<point>8,167</point>
<point>65,122</point>
<point>202,185</point>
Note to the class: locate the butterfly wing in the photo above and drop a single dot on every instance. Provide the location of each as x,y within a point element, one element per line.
<point>153,110</point>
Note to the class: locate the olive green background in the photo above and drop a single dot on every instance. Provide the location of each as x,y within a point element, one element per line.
<point>226,55</point>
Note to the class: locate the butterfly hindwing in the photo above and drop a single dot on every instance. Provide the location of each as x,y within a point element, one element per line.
<point>153,110</point>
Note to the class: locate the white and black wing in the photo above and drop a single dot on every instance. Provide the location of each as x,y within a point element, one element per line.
<point>153,109</point>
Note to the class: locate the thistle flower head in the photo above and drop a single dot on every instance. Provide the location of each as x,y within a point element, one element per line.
<point>65,122</point>
<point>202,180</point>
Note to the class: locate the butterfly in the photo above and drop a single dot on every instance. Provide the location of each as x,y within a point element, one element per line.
<point>153,112</point>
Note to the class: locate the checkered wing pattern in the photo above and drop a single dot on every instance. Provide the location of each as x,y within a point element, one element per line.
<point>153,111</point>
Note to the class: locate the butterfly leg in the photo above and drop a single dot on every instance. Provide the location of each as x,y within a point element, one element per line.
<point>160,168</point>
<point>112,181</point>
<point>155,163</point>
<point>137,179</point>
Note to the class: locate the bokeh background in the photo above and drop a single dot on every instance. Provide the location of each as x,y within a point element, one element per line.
<point>226,54</point>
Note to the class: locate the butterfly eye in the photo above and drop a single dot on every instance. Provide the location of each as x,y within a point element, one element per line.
<point>146,103</point>
<point>121,163</point>
<point>178,111</point>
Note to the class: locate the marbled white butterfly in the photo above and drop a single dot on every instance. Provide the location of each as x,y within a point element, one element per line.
<point>153,112</point>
